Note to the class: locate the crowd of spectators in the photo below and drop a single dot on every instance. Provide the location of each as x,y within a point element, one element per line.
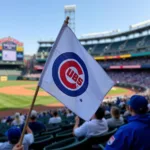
<point>131,76</point>
<point>138,77</point>
<point>110,115</point>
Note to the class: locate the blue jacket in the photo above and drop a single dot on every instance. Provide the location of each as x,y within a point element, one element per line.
<point>133,136</point>
<point>35,126</point>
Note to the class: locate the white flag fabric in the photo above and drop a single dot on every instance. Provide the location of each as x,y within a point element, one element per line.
<point>73,77</point>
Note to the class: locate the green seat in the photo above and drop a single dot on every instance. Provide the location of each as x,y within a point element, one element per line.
<point>41,142</point>
<point>70,144</point>
<point>64,135</point>
<point>52,128</point>
<point>112,128</point>
<point>71,119</point>
<point>98,147</point>
<point>64,132</point>
<point>39,138</point>
<point>54,132</point>
<point>99,139</point>
<point>61,144</point>
<point>101,147</point>
<point>67,126</point>
<point>3,139</point>
<point>52,125</point>
<point>80,144</point>
<point>107,116</point>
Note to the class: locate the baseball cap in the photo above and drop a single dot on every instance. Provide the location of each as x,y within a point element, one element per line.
<point>33,113</point>
<point>138,103</point>
<point>13,135</point>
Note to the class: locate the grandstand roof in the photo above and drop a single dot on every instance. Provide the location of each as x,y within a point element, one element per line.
<point>120,34</point>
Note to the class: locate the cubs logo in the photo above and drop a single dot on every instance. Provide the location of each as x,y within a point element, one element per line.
<point>70,74</point>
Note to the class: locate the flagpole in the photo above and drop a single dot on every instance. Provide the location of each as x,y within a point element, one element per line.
<point>33,101</point>
<point>28,116</point>
<point>67,20</point>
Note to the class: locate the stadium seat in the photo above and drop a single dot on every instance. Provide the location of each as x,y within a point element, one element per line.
<point>53,125</point>
<point>3,139</point>
<point>67,126</point>
<point>100,139</point>
<point>54,132</point>
<point>61,144</point>
<point>52,128</point>
<point>107,116</point>
<point>113,128</point>
<point>41,142</point>
<point>63,135</point>
<point>70,144</point>
<point>71,119</point>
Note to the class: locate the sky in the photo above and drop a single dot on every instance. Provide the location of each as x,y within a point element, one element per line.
<point>30,21</point>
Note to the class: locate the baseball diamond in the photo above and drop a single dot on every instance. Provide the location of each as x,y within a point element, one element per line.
<point>18,95</point>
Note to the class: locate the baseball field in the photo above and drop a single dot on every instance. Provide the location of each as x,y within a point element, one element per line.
<point>18,95</point>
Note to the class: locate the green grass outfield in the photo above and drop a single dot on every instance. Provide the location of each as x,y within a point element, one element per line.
<point>117,90</point>
<point>15,101</point>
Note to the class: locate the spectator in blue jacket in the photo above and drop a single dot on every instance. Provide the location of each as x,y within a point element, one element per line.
<point>136,134</point>
<point>35,125</point>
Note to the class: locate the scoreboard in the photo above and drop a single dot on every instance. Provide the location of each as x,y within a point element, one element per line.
<point>11,50</point>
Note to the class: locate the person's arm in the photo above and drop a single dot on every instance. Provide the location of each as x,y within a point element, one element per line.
<point>18,147</point>
<point>29,130</point>
<point>77,121</point>
<point>80,131</point>
<point>29,138</point>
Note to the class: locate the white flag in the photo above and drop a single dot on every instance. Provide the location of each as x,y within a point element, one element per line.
<point>73,77</point>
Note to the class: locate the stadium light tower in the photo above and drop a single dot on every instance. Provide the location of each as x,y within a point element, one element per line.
<point>70,11</point>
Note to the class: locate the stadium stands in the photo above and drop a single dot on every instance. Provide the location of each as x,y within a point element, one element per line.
<point>60,135</point>
<point>42,52</point>
<point>3,72</point>
<point>130,49</point>
<point>56,135</point>
<point>131,76</point>
<point>119,47</point>
<point>116,46</point>
<point>10,72</point>
<point>131,44</point>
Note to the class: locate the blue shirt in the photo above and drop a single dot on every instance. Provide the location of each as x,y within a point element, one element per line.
<point>27,141</point>
<point>36,126</point>
<point>133,136</point>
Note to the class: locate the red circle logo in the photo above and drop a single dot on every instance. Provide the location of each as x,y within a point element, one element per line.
<point>71,74</point>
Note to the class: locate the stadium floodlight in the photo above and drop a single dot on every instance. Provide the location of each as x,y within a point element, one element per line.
<point>70,11</point>
<point>70,7</point>
<point>139,25</point>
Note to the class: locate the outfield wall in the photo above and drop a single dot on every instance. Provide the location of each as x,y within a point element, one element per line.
<point>3,78</point>
<point>7,78</point>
